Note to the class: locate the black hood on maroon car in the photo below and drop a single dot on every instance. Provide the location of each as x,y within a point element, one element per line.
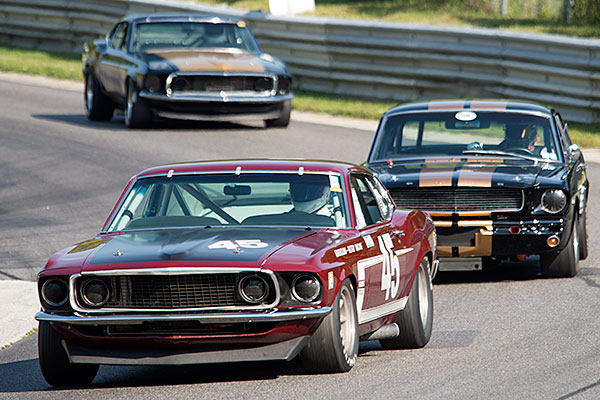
<point>205,244</point>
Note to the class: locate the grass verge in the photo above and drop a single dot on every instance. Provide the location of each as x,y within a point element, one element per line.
<point>68,66</point>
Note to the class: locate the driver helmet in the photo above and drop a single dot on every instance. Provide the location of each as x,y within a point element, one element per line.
<point>215,34</point>
<point>309,197</point>
<point>524,136</point>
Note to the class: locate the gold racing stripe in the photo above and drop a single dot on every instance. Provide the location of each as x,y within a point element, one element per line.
<point>435,177</point>
<point>479,177</point>
<point>488,105</point>
<point>446,105</point>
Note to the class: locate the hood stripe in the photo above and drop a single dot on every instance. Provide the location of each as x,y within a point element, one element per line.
<point>480,177</point>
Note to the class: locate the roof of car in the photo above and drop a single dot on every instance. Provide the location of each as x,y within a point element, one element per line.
<point>253,165</point>
<point>182,18</point>
<point>478,105</point>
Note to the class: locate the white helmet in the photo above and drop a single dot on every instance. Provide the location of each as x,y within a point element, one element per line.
<point>309,197</point>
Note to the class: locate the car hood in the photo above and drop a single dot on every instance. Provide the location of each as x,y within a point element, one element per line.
<point>210,247</point>
<point>461,173</point>
<point>202,60</point>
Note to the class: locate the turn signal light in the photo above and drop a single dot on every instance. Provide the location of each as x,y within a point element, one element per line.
<point>514,230</point>
<point>553,241</point>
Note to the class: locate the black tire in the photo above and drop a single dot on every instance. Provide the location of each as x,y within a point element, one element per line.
<point>334,346</point>
<point>55,365</point>
<point>284,117</point>
<point>98,106</point>
<point>564,263</point>
<point>583,235</point>
<point>416,320</point>
<point>137,111</point>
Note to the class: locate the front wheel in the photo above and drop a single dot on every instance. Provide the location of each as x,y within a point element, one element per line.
<point>416,320</point>
<point>284,117</point>
<point>98,107</point>
<point>54,363</point>
<point>137,111</point>
<point>564,263</point>
<point>582,234</point>
<point>334,346</point>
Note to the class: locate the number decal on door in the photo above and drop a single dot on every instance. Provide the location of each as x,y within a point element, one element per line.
<point>390,270</point>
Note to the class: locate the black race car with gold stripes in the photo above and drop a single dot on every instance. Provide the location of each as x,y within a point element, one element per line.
<point>184,66</point>
<point>502,180</point>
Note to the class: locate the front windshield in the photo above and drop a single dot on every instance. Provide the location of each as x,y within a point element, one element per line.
<point>308,200</point>
<point>422,135</point>
<point>150,36</point>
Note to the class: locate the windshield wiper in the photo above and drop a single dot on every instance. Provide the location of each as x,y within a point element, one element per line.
<point>504,153</point>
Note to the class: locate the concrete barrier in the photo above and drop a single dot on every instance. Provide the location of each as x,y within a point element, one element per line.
<point>369,59</point>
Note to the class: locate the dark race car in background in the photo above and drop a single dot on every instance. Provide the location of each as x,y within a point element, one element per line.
<point>500,179</point>
<point>239,261</point>
<point>184,66</point>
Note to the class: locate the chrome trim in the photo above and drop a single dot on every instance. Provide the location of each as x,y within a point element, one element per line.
<point>169,271</point>
<point>222,95</point>
<point>436,213</point>
<point>225,318</point>
<point>220,99</point>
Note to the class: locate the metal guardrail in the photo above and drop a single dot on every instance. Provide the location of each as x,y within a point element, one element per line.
<point>369,59</point>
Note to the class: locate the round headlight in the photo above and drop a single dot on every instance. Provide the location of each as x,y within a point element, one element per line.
<point>253,289</point>
<point>55,292</point>
<point>306,288</point>
<point>95,292</point>
<point>554,201</point>
<point>152,83</point>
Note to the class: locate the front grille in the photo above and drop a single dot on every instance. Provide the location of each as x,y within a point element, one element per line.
<point>166,292</point>
<point>215,84</point>
<point>459,199</point>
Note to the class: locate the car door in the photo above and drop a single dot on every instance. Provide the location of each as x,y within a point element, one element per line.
<point>114,62</point>
<point>379,274</point>
<point>573,156</point>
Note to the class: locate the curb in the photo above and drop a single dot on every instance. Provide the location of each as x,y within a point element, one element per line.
<point>19,302</point>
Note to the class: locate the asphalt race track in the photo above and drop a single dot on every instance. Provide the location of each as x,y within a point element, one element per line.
<point>500,334</point>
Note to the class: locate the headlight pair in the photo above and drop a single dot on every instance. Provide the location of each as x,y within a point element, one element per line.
<point>304,288</point>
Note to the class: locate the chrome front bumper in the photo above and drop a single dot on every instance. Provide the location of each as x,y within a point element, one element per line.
<point>221,318</point>
<point>215,98</point>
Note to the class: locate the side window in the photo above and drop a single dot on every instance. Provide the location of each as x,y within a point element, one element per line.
<point>119,38</point>
<point>366,199</point>
<point>386,204</point>
<point>564,133</point>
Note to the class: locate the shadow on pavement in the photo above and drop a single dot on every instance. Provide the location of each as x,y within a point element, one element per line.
<point>157,124</point>
<point>24,375</point>
<point>525,270</point>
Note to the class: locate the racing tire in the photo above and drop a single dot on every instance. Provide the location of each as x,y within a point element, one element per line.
<point>137,111</point>
<point>416,320</point>
<point>98,106</point>
<point>564,263</point>
<point>54,362</point>
<point>284,117</point>
<point>334,345</point>
<point>582,232</point>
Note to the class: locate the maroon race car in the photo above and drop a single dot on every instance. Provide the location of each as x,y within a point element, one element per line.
<point>232,261</point>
